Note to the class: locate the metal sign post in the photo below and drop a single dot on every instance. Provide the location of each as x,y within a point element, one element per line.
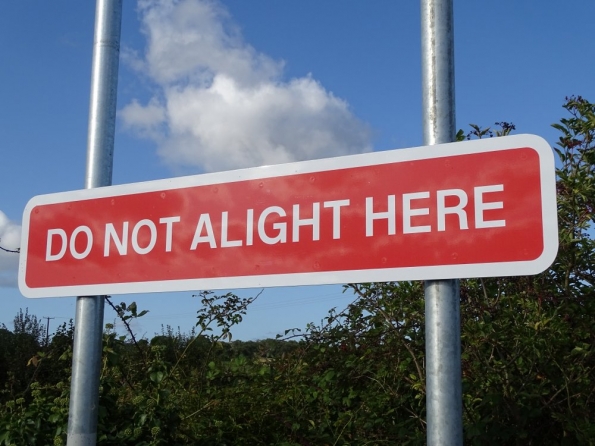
<point>86,355</point>
<point>443,331</point>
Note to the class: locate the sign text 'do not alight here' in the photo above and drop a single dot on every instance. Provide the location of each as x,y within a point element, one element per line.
<point>481,208</point>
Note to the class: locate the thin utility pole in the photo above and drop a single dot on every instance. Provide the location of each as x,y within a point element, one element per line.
<point>442,318</point>
<point>47,330</point>
<point>88,332</point>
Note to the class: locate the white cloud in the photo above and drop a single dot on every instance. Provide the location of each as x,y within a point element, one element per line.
<point>10,238</point>
<point>221,104</point>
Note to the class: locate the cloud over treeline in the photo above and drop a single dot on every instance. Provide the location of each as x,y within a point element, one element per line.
<point>220,104</point>
<point>10,239</point>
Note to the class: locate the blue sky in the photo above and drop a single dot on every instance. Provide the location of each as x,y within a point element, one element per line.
<point>204,87</point>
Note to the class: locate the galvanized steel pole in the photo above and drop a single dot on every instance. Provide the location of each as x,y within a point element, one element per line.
<point>86,355</point>
<point>443,332</point>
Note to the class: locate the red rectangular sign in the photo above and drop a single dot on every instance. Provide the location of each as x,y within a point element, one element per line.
<point>468,209</point>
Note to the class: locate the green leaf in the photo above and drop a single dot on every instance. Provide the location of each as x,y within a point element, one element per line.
<point>156,377</point>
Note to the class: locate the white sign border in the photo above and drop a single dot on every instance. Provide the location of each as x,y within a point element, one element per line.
<point>548,205</point>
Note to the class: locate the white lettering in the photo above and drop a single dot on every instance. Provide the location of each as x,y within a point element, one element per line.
<point>408,213</point>
<point>314,222</point>
<point>480,206</point>
<point>225,243</point>
<point>49,257</point>
<point>121,245</point>
<point>134,239</point>
<point>336,206</point>
<point>281,227</point>
<point>204,221</point>
<point>388,215</point>
<point>459,210</point>
<point>250,227</point>
<point>81,255</point>
<point>169,221</point>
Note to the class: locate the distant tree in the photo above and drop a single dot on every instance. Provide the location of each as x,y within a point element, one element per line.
<point>28,324</point>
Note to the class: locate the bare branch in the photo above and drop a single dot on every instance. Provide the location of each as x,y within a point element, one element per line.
<point>15,251</point>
